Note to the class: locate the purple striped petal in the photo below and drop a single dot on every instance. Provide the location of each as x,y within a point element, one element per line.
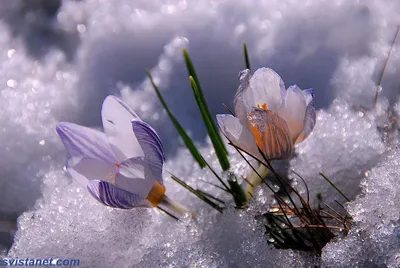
<point>151,146</point>
<point>135,176</point>
<point>85,142</point>
<point>112,196</point>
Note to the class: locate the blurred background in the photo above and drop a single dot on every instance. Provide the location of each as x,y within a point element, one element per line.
<point>60,58</point>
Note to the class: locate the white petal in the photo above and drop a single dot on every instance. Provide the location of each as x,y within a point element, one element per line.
<point>117,117</point>
<point>84,169</point>
<point>238,134</point>
<point>240,109</point>
<point>135,176</point>
<point>152,147</point>
<point>293,111</point>
<point>265,87</point>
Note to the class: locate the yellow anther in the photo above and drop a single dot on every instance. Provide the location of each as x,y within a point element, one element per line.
<point>156,194</point>
<point>264,106</point>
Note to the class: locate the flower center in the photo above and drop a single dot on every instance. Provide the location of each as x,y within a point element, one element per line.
<point>264,106</point>
<point>156,194</point>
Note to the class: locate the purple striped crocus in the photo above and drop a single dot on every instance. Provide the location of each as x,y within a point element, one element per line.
<point>122,166</point>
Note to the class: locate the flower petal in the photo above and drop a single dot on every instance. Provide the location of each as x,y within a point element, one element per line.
<point>238,134</point>
<point>112,196</point>
<point>309,123</point>
<point>135,176</point>
<point>293,111</point>
<point>266,88</point>
<point>308,95</point>
<point>83,169</point>
<point>85,142</point>
<point>240,110</point>
<point>152,147</point>
<point>117,117</point>
<point>271,133</point>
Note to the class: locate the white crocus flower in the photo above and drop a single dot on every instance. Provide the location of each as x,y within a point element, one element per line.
<point>268,117</point>
<point>122,167</point>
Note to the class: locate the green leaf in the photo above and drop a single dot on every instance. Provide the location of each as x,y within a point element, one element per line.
<point>237,191</point>
<point>216,140</point>
<point>246,56</point>
<point>185,137</point>
<point>206,116</point>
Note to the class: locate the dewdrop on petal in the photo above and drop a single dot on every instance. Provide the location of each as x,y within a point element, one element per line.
<point>122,167</point>
<point>268,118</point>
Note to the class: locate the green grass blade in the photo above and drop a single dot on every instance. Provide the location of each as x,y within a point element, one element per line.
<point>237,191</point>
<point>185,137</point>
<point>192,73</point>
<point>216,140</point>
<point>246,56</point>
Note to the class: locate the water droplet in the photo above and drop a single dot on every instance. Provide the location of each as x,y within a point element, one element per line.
<point>11,83</point>
<point>42,142</point>
<point>81,28</point>
<point>275,188</point>
<point>11,53</point>
<point>272,210</point>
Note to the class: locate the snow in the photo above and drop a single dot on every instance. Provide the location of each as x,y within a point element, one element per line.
<point>59,65</point>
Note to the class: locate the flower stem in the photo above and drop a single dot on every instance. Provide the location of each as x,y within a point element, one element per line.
<point>253,180</point>
<point>174,209</point>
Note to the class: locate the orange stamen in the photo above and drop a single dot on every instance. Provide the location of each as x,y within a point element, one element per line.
<point>256,134</point>
<point>156,194</point>
<point>117,165</point>
<point>255,130</point>
<point>265,106</point>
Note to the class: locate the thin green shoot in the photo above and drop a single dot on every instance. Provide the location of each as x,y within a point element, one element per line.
<point>192,73</point>
<point>185,137</point>
<point>246,56</point>
<point>216,140</point>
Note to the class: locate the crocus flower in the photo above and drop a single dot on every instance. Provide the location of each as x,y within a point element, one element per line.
<point>268,117</point>
<point>122,167</point>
